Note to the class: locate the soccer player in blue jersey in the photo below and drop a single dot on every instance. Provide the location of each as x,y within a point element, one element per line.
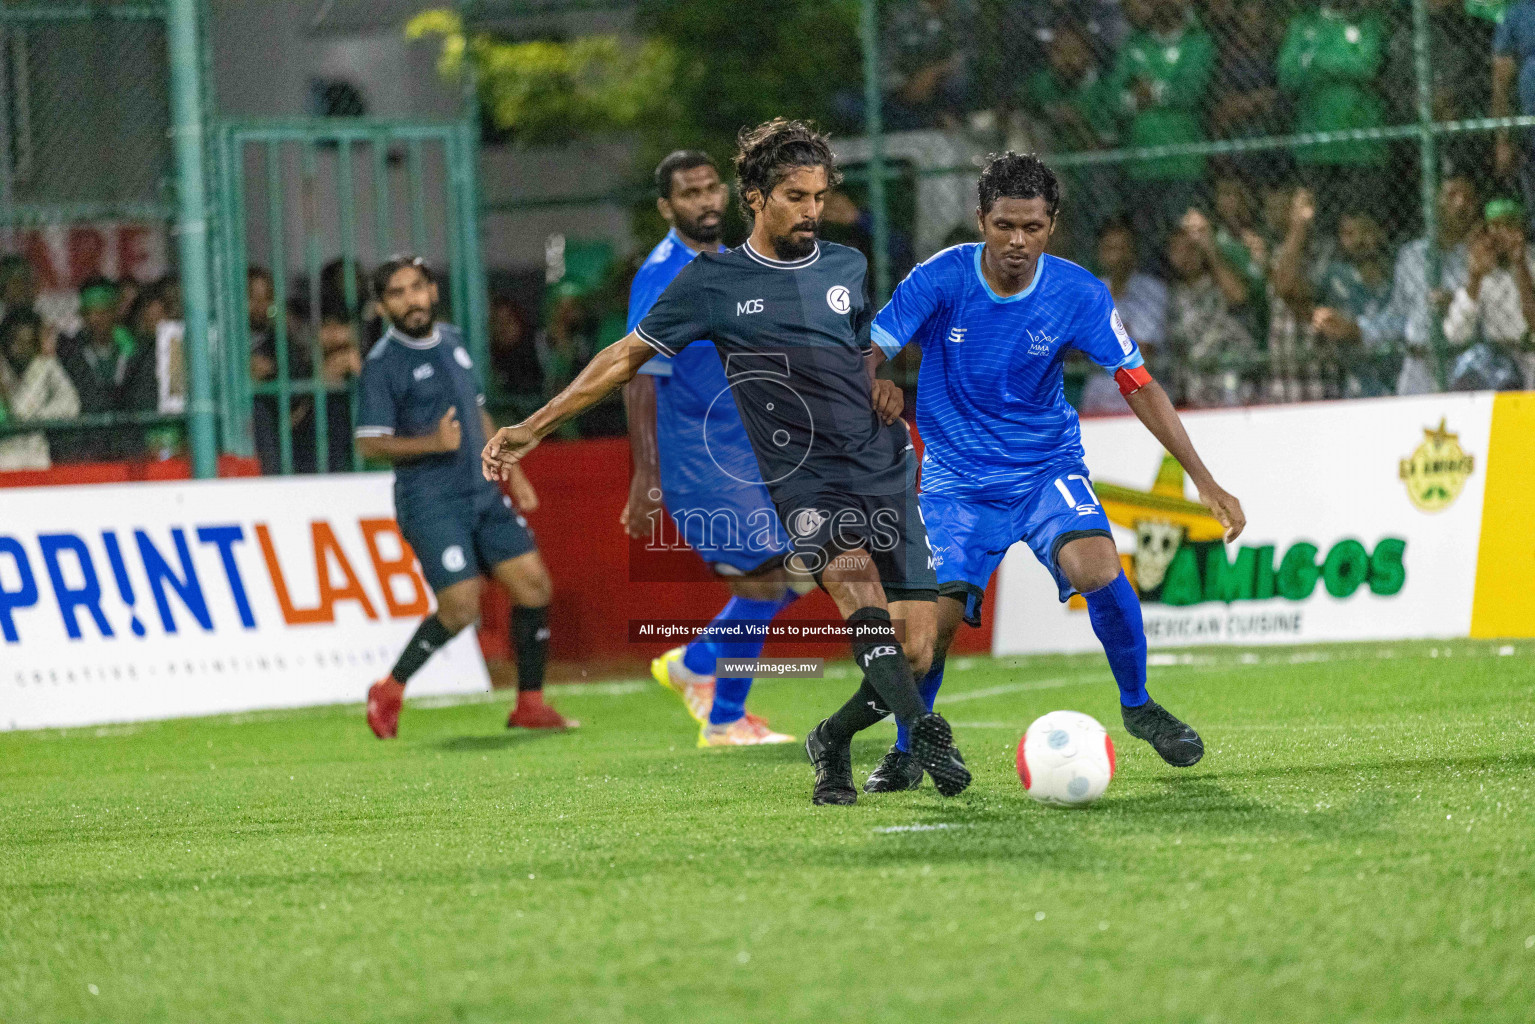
<point>1003,460</point>
<point>694,463</point>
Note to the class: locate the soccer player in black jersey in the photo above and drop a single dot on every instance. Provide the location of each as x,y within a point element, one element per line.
<point>790,320</point>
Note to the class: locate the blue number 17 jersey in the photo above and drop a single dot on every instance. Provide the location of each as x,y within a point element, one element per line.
<point>991,407</point>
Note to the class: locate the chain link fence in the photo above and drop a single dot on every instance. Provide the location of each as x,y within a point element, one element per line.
<point>1291,201</point>
<point>88,341</point>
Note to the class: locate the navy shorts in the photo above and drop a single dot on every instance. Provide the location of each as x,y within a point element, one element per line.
<point>461,539</point>
<point>970,535</point>
<point>823,525</point>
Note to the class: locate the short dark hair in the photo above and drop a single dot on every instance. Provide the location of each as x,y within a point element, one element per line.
<point>17,319</point>
<point>392,266</point>
<point>1018,176</point>
<point>766,154</point>
<point>679,160</point>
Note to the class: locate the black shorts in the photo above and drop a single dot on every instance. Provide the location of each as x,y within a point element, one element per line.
<point>460,539</point>
<point>824,525</point>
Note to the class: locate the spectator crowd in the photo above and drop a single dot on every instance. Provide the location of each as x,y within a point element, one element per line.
<point>1267,273</point>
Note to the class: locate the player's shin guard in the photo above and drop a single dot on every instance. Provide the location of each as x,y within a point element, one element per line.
<point>1115,612</point>
<point>429,637</point>
<point>885,670</point>
<point>530,632</point>
<point>927,686</point>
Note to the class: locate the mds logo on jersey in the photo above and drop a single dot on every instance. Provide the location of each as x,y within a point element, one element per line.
<point>749,306</point>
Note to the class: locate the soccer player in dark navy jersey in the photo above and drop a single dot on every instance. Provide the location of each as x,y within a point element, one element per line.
<point>1003,458</point>
<point>421,409</point>
<point>790,321</point>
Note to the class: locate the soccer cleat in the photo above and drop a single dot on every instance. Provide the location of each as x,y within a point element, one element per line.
<point>747,731</point>
<point>833,769</point>
<point>696,691</point>
<point>532,713</point>
<point>385,698</point>
<point>896,772</point>
<point>1178,745</point>
<point>932,746</point>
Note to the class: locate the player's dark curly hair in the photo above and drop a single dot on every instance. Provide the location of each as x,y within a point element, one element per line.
<point>1015,176</point>
<point>393,265</point>
<point>767,153</point>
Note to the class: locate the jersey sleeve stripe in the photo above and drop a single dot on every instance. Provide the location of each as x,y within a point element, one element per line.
<point>374,432</point>
<point>653,343</point>
<point>1129,362</point>
<point>885,340</point>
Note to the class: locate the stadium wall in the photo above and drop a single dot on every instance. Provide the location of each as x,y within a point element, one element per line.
<point>1386,519</point>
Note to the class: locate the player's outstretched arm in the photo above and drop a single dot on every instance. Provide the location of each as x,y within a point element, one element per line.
<point>1151,404</point>
<point>645,485</point>
<point>612,367</point>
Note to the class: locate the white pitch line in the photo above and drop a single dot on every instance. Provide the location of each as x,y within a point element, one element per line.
<point>1006,688</point>
<point>920,828</point>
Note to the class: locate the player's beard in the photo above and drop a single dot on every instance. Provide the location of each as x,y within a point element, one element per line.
<point>790,247</point>
<point>700,230</point>
<point>417,323</point>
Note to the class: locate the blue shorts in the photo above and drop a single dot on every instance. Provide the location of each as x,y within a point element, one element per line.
<point>735,530</point>
<point>461,539</point>
<point>970,535</point>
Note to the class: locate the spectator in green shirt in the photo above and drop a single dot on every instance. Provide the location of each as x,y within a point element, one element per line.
<point>1162,80</point>
<point>1074,102</point>
<point>1330,65</point>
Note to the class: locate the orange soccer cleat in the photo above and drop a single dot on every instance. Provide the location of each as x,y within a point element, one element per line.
<point>532,712</point>
<point>385,698</point>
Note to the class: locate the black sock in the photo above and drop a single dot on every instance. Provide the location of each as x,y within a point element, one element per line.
<point>425,642</point>
<point>862,710</point>
<point>878,653</point>
<point>530,632</point>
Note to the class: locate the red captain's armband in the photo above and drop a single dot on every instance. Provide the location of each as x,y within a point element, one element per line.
<point>1131,379</point>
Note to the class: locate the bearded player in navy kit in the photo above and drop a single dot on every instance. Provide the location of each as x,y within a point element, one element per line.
<point>789,318</point>
<point>421,409</point>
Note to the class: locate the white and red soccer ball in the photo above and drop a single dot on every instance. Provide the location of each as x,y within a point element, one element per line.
<point>1066,759</point>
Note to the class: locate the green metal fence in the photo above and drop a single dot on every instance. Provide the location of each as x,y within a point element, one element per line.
<point>295,193</point>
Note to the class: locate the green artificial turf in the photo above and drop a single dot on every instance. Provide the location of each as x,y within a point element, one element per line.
<point>1356,845</point>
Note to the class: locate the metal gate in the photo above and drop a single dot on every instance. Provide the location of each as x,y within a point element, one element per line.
<point>317,205</point>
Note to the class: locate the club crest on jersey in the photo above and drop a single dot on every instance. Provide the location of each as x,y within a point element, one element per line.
<point>423,371</point>
<point>839,298</point>
<point>956,334</point>
<point>1040,343</point>
<point>463,359</point>
<point>807,521</point>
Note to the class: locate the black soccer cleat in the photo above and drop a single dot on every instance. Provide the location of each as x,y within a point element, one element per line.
<point>1178,745</point>
<point>932,746</point>
<point>833,766</point>
<point>897,772</point>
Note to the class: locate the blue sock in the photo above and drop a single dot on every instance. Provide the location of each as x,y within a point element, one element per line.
<point>928,687</point>
<point>1116,615</point>
<point>701,655</point>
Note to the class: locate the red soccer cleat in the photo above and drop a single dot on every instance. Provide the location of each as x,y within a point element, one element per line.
<point>532,713</point>
<point>385,698</point>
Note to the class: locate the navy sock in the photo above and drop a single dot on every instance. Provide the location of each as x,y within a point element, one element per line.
<point>885,669</point>
<point>530,632</point>
<point>425,642</point>
<point>1115,612</point>
<point>927,686</point>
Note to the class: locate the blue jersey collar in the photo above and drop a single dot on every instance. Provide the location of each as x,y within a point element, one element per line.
<point>676,239</point>
<point>1039,272</point>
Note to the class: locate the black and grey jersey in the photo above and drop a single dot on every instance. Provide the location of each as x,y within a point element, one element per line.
<point>407,385</point>
<point>793,335</point>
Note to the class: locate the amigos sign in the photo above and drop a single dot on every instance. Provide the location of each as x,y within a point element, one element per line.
<point>123,602</point>
<point>1363,523</point>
